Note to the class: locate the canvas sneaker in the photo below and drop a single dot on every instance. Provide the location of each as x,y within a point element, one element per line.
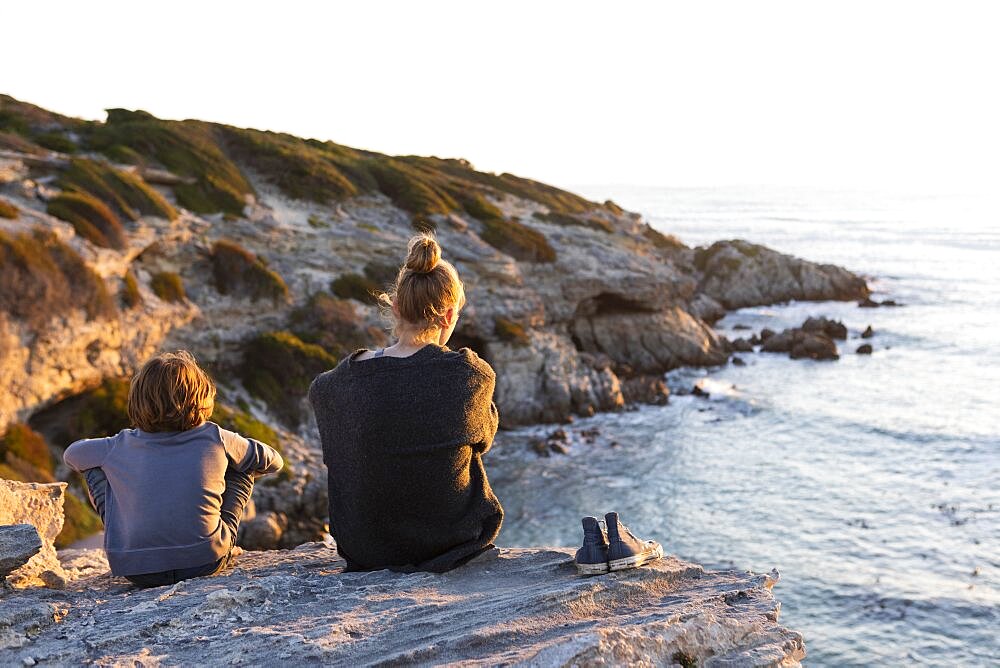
<point>592,557</point>
<point>624,549</point>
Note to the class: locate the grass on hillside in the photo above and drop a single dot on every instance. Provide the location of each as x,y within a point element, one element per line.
<point>90,217</point>
<point>186,148</point>
<point>298,169</point>
<point>570,219</point>
<point>168,286</point>
<point>307,169</point>
<point>278,368</point>
<point>126,193</point>
<point>25,457</point>
<point>356,286</point>
<point>41,277</point>
<point>131,297</point>
<point>518,240</point>
<point>28,445</point>
<point>333,324</point>
<point>8,210</point>
<point>237,271</point>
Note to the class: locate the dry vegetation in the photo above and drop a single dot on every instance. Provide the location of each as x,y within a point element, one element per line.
<point>237,271</point>
<point>41,277</point>
<point>278,367</point>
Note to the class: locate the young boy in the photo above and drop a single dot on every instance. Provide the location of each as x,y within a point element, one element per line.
<point>171,492</point>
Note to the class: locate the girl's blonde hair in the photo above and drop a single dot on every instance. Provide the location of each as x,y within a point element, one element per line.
<point>425,288</point>
<point>170,393</point>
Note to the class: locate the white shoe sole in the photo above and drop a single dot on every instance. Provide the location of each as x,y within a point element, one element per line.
<point>592,569</point>
<point>653,552</point>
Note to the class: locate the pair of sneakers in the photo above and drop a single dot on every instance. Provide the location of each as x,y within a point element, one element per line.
<point>612,547</point>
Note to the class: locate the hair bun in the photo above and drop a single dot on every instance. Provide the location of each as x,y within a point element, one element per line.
<point>423,254</point>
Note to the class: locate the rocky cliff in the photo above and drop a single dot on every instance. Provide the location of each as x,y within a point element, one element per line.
<point>259,252</point>
<point>521,607</point>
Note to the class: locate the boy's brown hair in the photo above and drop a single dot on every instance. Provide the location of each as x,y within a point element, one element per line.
<point>170,393</point>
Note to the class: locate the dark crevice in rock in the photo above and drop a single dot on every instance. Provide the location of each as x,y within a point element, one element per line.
<point>608,303</point>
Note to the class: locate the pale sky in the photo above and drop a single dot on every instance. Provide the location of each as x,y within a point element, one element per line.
<point>870,94</point>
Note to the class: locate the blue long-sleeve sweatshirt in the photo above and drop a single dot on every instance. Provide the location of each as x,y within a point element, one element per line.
<point>162,509</point>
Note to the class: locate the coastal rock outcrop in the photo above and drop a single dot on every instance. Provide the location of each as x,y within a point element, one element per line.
<point>523,607</point>
<point>40,505</point>
<point>738,273</point>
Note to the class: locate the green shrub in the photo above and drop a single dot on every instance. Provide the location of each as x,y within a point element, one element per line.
<point>12,142</point>
<point>168,286</point>
<point>186,148</point>
<point>126,193</point>
<point>278,367</point>
<point>553,198</point>
<point>569,219</point>
<point>355,286</point>
<point>90,217</point>
<point>241,422</point>
<point>79,521</point>
<point>17,469</point>
<point>518,240</point>
<point>317,223</point>
<point>8,210</point>
<point>100,411</point>
<point>25,443</point>
<point>131,297</point>
<point>613,207</point>
<point>381,273</point>
<point>332,323</point>
<point>238,271</point>
<point>245,424</point>
<point>41,277</point>
<point>55,141</point>
<point>511,332</point>
<point>476,205</point>
<point>408,189</point>
<point>298,169</point>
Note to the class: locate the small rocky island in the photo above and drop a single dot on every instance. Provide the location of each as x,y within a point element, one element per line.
<point>297,607</point>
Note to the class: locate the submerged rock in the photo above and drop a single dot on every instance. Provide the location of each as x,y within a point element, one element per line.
<point>298,607</point>
<point>864,349</point>
<point>868,333</point>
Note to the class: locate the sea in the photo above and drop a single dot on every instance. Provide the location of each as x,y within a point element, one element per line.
<point>872,483</point>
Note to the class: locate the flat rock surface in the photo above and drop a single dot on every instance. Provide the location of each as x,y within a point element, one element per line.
<point>298,607</point>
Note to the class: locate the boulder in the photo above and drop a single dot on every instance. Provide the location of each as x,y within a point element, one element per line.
<point>18,544</point>
<point>832,328</point>
<point>646,389</point>
<point>778,343</point>
<point>742,345</point>
<point>40,505</point>
<point>813,346</point>
<point>799,344</point>
<point>738,361</point>
<point>737,274</point>
<point>297,607</point>
<point>864,349</point>
<point>868,333</point>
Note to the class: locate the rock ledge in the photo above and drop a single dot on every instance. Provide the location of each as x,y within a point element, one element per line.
<point>298,607</point>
